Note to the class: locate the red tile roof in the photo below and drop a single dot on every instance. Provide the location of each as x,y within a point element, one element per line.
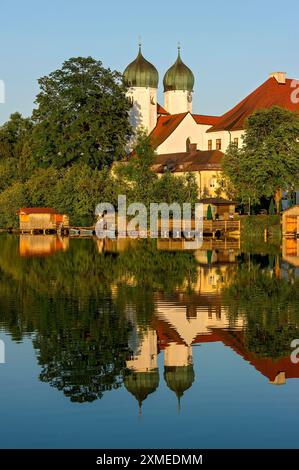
<point>233,339</point>
<point>206,120</point>
<point>36,210</point>
<point>185,161</point>
<point>270,93</point>
<point>165,127</point>
<point>161,110</point>
<point>265,365</point>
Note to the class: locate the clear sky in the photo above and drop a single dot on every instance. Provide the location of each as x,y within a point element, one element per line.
<point>231,46</point>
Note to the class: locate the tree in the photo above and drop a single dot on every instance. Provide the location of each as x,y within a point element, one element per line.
<point>271,207</point>
<point>268,162</point>
<point>11,199</point>
<point>81,115</point>
<point>13,135</point>
<point>209,213</point>
<point>137,174</point>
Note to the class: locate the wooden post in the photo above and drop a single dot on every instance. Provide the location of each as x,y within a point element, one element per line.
<point>265,235</point>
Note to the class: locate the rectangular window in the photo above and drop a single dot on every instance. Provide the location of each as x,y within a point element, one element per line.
<point>209,144</point>
<point>218,144</point>
<point>236,142</point>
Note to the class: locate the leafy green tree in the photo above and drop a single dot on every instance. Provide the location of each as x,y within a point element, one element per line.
<point>7,173</point>
<point>13,135</point>
<point>136,173</point>
<point>170,188</point>
<point>268,162</point>
<point>272,207</point>
<point>41,187</point>
<point>209,213</point>
<point>11,199</point>
<point>81,115</point>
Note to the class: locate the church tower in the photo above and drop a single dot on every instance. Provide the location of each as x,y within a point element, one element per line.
<point>178,87</point>
<point>142,78</point>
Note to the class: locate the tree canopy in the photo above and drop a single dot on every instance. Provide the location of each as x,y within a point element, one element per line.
<point>81,114</point>
<point>268,162</point>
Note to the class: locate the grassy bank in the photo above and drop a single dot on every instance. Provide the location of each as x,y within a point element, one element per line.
<point>253,233</point>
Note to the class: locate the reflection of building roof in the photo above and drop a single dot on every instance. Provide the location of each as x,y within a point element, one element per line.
<point>233,338</point>
<point>179,379</point>
<point>142,384</point>
<point>270,368</point>
<point>270,93</point>
<point>188,161</point>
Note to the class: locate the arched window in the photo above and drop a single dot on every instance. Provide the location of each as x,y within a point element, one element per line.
<point>188,142</point>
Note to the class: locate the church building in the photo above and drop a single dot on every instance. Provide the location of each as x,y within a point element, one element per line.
<point>188,142</point>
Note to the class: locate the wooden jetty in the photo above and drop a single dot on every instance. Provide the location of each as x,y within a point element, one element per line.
<point>43,220</point>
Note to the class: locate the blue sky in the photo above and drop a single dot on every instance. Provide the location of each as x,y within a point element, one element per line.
<point>231,46</point>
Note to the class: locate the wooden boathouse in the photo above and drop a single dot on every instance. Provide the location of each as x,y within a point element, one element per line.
<point>290,222</point>
<point>41,220</point>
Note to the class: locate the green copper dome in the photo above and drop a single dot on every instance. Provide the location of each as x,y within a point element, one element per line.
<point>142,384</point>
<point>179,379</point>
<point>179,76</point>
<point>141,73</point>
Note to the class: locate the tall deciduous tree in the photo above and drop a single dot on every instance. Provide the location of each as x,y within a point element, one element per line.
<point>268,163</point>
<point>13,136</point>
<point>81,115</point>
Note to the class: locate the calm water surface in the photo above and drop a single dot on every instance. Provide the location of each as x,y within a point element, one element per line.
<point>145,344</point>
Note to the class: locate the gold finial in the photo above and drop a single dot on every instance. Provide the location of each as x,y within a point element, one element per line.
<point>139,42</point>
<point>179,49</point>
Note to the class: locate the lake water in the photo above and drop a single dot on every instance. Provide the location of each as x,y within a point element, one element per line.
<point>143,344</point>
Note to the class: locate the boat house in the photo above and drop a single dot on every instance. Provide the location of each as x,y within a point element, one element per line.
<point>41,219</point>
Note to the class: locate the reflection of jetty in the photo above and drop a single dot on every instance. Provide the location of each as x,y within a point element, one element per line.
<point>167,244</point>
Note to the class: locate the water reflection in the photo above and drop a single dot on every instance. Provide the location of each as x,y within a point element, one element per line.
<point>99,313</point>
<point>41,245</point>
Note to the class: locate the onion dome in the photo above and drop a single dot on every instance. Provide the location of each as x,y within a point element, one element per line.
<point>141,73</point>
<point>142,384</point>
<point>179,379</point>
<point>178,76</point>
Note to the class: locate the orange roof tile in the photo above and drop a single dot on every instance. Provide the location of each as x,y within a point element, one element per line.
<point>165,127</point>
<point>185,161</point>
<point>161,110</point>
<point>206,120</point>
<point>36,210</point>
<point>270,93</point>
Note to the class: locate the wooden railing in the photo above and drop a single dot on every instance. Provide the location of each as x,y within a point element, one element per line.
<point>222,225</point>
<point>209,226</point>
